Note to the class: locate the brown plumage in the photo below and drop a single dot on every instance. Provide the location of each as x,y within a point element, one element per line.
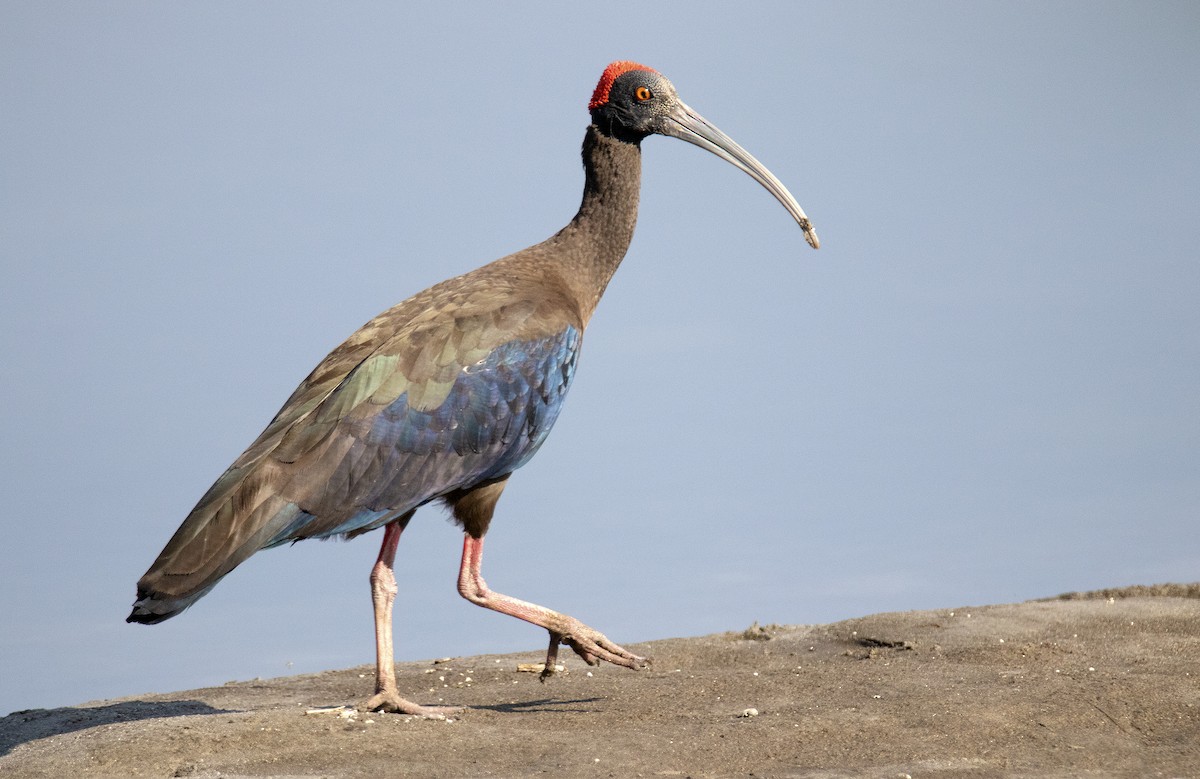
<point>442,397</point>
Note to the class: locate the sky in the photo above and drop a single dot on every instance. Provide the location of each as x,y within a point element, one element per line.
<point>982,388</point>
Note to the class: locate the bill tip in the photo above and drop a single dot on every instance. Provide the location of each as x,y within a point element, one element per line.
<point>810,234</point>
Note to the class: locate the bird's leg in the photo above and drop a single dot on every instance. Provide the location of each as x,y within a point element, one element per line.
<point>383,595</point>
<point>588,643</point>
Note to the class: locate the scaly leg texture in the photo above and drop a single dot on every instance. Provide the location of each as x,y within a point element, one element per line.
<point>383,594</point>
<point>588,643</point>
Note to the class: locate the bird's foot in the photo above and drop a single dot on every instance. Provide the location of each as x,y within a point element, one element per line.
<point>591,645</point>
<point>391,702</point>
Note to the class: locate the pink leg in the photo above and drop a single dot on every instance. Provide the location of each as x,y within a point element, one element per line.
<point>588,643</point>
<point>383,595</point>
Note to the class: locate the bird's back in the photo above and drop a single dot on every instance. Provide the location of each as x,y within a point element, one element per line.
<point>453,387</point>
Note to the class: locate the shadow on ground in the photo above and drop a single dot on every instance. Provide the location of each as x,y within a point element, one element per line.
<point>33,724</point>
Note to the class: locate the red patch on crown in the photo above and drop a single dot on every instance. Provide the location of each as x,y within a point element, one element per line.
<point>611,74</point>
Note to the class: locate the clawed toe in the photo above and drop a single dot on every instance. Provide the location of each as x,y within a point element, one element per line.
<point>392,703</point>
<point>593,646</point>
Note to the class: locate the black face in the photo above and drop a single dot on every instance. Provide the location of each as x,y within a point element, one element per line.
<point>639,103</point>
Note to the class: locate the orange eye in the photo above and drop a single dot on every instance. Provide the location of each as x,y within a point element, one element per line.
<point>643,94</point>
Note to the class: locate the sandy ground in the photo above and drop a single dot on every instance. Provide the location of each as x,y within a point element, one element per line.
<point>1096,684</point>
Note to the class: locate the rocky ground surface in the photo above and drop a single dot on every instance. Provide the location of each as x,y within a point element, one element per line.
<point>1093,684</point>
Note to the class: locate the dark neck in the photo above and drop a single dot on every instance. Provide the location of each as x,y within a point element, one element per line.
<point>594,243</point>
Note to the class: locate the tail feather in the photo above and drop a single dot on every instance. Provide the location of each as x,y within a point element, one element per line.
<point>239,515</point>
<point>151,608</point>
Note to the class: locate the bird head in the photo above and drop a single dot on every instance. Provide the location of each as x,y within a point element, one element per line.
<point>632,101</point>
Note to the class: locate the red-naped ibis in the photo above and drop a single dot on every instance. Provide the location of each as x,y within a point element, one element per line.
<point>443,396</point>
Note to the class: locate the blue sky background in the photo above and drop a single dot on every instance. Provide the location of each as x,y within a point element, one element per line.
<point>982,389</point>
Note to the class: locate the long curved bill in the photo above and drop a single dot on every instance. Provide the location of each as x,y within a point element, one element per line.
<point>687,125</point>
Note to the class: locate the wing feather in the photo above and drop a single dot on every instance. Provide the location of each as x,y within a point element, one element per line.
<point>409,408</point>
